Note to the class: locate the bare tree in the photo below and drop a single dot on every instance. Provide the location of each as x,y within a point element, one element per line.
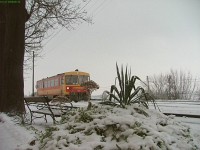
<point>174,85</point>
<point>198,94</point>
<point>47,15</point>
<point>158,86</point>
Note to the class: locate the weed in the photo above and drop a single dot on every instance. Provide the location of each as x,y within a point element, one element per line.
<point>99,147</point>
<point>48,133</point>
<point>85,117</point>
<point>140,111</point>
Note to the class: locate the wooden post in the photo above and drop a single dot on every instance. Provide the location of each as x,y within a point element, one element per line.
<point>148,84</point>
<point>33,94</point>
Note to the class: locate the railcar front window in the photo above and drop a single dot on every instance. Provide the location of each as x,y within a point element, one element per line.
<point>83,79</point>
<point>71,80</point>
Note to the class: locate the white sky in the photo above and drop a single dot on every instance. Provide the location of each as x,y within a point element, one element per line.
<point>151,36</point>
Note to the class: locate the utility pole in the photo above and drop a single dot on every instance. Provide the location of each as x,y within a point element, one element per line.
<point>33,75</point>
<point>148,84</point>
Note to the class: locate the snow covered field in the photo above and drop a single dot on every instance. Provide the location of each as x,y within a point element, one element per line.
<point>170,131</point>
<point>183,107</point>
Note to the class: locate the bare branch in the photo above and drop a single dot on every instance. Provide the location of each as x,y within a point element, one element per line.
<point>46,15</point>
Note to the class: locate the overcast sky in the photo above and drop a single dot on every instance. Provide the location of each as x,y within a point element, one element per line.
<point>150,36</point>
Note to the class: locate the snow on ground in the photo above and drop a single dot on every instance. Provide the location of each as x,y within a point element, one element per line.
<point>12,135</point>
<point>106,128</point>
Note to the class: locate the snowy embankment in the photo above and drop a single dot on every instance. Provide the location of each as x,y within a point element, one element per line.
<point>12,135</point>
<point>107,128</point>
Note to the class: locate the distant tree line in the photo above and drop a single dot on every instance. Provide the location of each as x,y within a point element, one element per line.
<point>174,85</point>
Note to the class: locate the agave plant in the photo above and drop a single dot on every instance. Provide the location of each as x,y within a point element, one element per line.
<point>127,93</point>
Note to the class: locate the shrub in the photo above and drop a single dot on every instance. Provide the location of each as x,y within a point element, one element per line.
<point>90,86</point>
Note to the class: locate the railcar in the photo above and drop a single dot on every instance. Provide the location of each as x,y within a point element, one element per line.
<point>64,84</point>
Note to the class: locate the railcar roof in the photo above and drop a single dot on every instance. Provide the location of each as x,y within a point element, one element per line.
<point>67,73</point>
<point>76,73</point>
<point>51,77</point>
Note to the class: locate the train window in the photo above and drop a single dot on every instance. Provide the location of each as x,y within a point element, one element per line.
<point>45,84</point>
<point>62,81</point>
<point>49,84</point>
<point>42,85</point>
<point>56,82</point>
<point>71,79</point>
<point>39,85</point>
<point>83,79</point>
<point>52,83</point>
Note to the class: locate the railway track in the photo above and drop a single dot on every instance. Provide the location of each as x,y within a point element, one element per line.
<point>183,115</point>
<point>190,109</point>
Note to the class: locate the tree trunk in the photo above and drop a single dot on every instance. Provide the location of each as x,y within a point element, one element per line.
<point>12,29</point>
